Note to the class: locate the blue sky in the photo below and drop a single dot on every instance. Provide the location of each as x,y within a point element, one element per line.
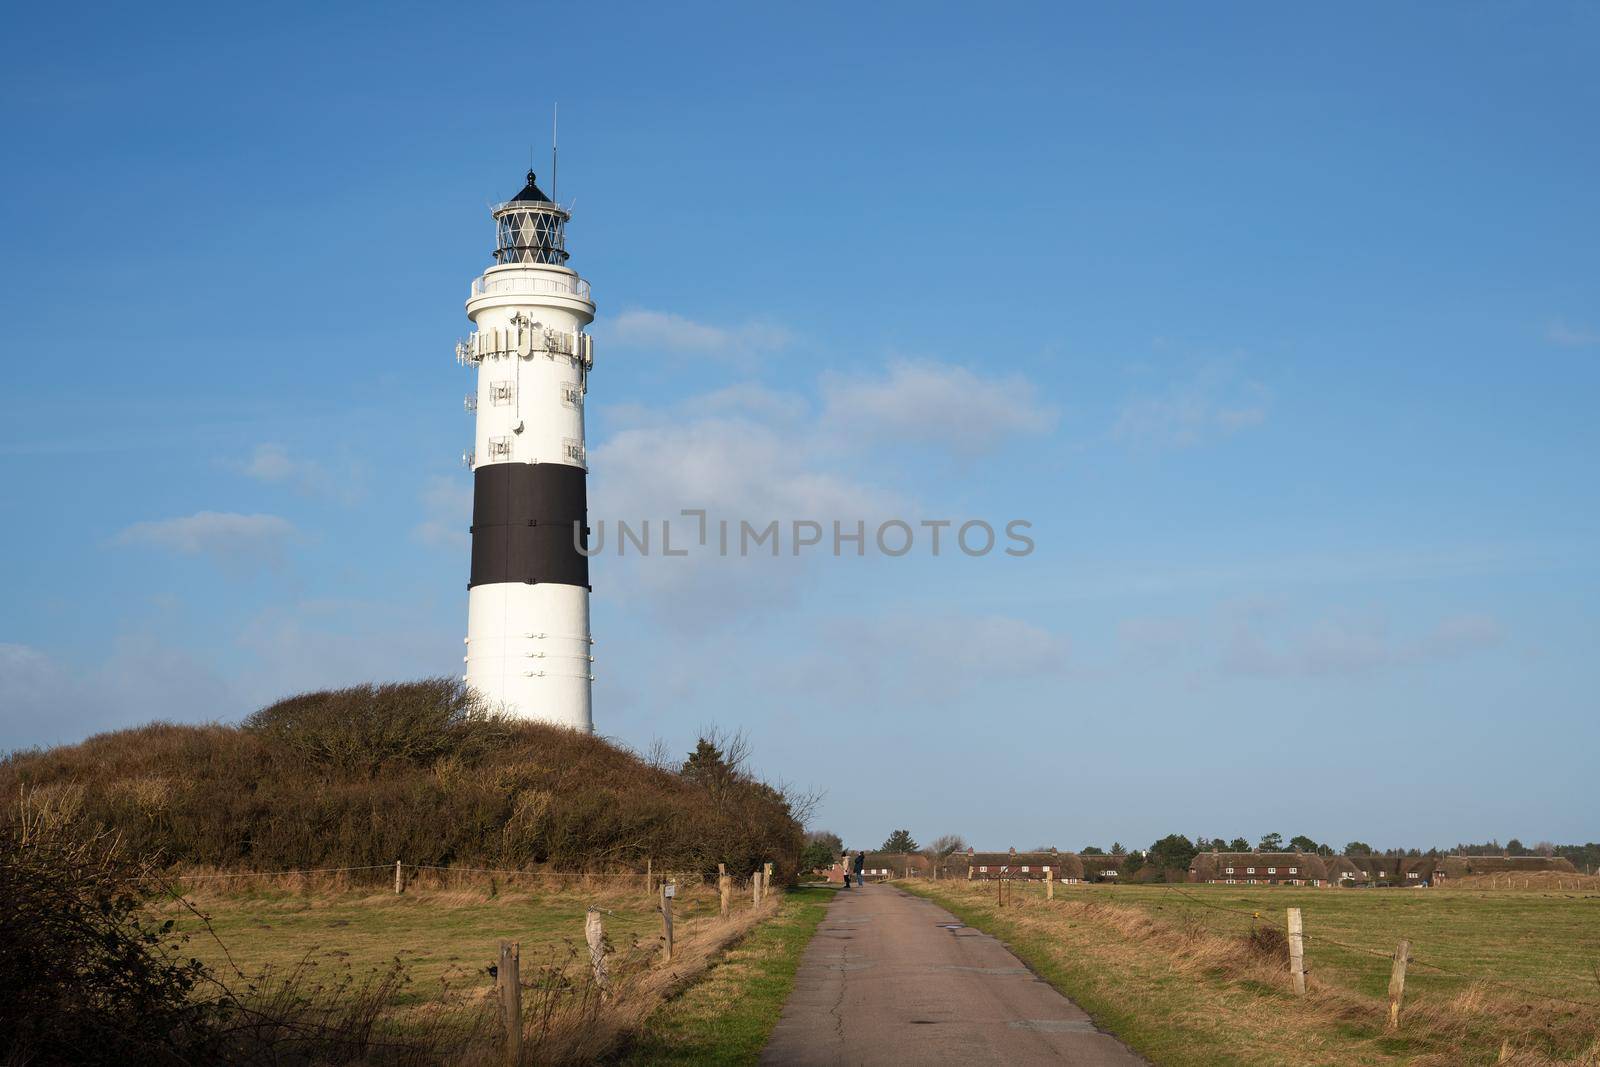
<point>1282,328</point>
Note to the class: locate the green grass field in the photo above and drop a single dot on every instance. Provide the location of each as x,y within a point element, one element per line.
<point>441,936</point>
<point>1169,971</point>
<point>1548,942</point>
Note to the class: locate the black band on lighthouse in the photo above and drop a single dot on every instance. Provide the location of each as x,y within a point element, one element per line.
<point>522,524</point>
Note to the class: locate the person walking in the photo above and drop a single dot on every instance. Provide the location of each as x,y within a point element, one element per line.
<point>844,864</point>
<point>861,866</point>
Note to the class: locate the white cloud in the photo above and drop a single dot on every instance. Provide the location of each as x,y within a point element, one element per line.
<point>739,462</point>
<point>289,648</point>
<point>447,511</point>
<point>225,537</point>
<point>1347,647</point>
<point>43,702</point>
<point>1569,336</point>
<point>934,403</point>
<point>749,452</point>
<point>313,644</point>
<point>742,453</point>
<point>925,657</point>
<point>1213,403</point>
<point>273,464</point>
<point>640,328</point>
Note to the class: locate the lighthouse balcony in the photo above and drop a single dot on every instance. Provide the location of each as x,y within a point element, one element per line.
<point>520,283</point>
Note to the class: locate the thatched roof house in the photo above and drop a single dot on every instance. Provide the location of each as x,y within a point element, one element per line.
<point>1104,868</point>
<point>895,865</point>
<point>1341,870</point>
<point>1259,868</point>
<point>1061,866</point>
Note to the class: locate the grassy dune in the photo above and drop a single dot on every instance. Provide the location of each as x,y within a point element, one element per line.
<point>1179,977</point>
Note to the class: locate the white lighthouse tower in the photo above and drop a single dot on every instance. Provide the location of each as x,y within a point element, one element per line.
<point>529,651</point>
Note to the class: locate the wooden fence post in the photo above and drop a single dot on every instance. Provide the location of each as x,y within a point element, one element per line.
<point>1049,885</point>
<point>594,932</point>
<point>508,982</point>
<point>649,875</point>
<point>766,878</point>
<point>724,888</point>
<point>755,890</point>
<point>1297,951</point>
<point>1397,982</point>
<point>399,878</point>
<point>666,915</point>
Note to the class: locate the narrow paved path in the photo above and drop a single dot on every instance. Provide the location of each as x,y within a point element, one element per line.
<point>892,978</point>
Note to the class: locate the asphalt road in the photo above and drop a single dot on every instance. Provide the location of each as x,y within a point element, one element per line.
<point>892,978</point>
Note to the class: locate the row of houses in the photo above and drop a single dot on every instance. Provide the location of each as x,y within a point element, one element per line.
<point>1228,868</point>
<point>1304,868</point>
<point>1052,863</point>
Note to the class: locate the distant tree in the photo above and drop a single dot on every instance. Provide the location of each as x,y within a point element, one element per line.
<point>1584,857</point>
<point>1324,850</point>
<point>1117,849</point>
<point>704,762</point>
<point>1544,848</point>
<point>1302,843</point>
<point>1238,844</point>
<point>1173,852</point>
<point>899,841</point>
<point>1091,850</point>
<point>822,849</point>
<point>948,844</point>
<point>716,764</point>
<point>1358,848</point>
<point>1515,848</point>
<point>1133,862</point>
<point>1271,843</point>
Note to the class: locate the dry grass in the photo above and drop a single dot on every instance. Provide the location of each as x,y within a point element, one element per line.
<point>1185,993</point>
<point>406,976</point>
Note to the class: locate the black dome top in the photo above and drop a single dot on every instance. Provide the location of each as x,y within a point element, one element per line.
<point>531,193</point>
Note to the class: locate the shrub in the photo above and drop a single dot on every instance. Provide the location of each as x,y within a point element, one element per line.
<point>415,771</point>
<point>87,980</point>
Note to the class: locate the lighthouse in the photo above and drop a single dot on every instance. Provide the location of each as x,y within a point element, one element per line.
<point>529,652</point>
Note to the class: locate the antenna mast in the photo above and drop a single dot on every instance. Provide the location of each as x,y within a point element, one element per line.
<point>555,113</point>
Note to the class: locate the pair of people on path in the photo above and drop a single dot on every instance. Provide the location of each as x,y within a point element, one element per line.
<point>857,863</point>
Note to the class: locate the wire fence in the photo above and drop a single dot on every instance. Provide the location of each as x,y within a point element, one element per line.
<point>1258,916</point>
<point>650,880</point>
<point>1413,959</point>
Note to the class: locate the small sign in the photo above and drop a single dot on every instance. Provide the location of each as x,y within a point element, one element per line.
<point>672,890</point>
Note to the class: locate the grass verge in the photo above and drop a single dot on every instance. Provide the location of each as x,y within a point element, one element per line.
<point>1188,986</point>
<point>726,1017</point>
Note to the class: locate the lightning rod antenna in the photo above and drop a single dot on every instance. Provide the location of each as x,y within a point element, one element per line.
<point>555,113</point>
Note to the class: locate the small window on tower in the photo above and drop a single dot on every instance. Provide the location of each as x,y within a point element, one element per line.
<point>573,451</point>
<point>501,393</point>
<point>499,448</point>
<point>572,395</point>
